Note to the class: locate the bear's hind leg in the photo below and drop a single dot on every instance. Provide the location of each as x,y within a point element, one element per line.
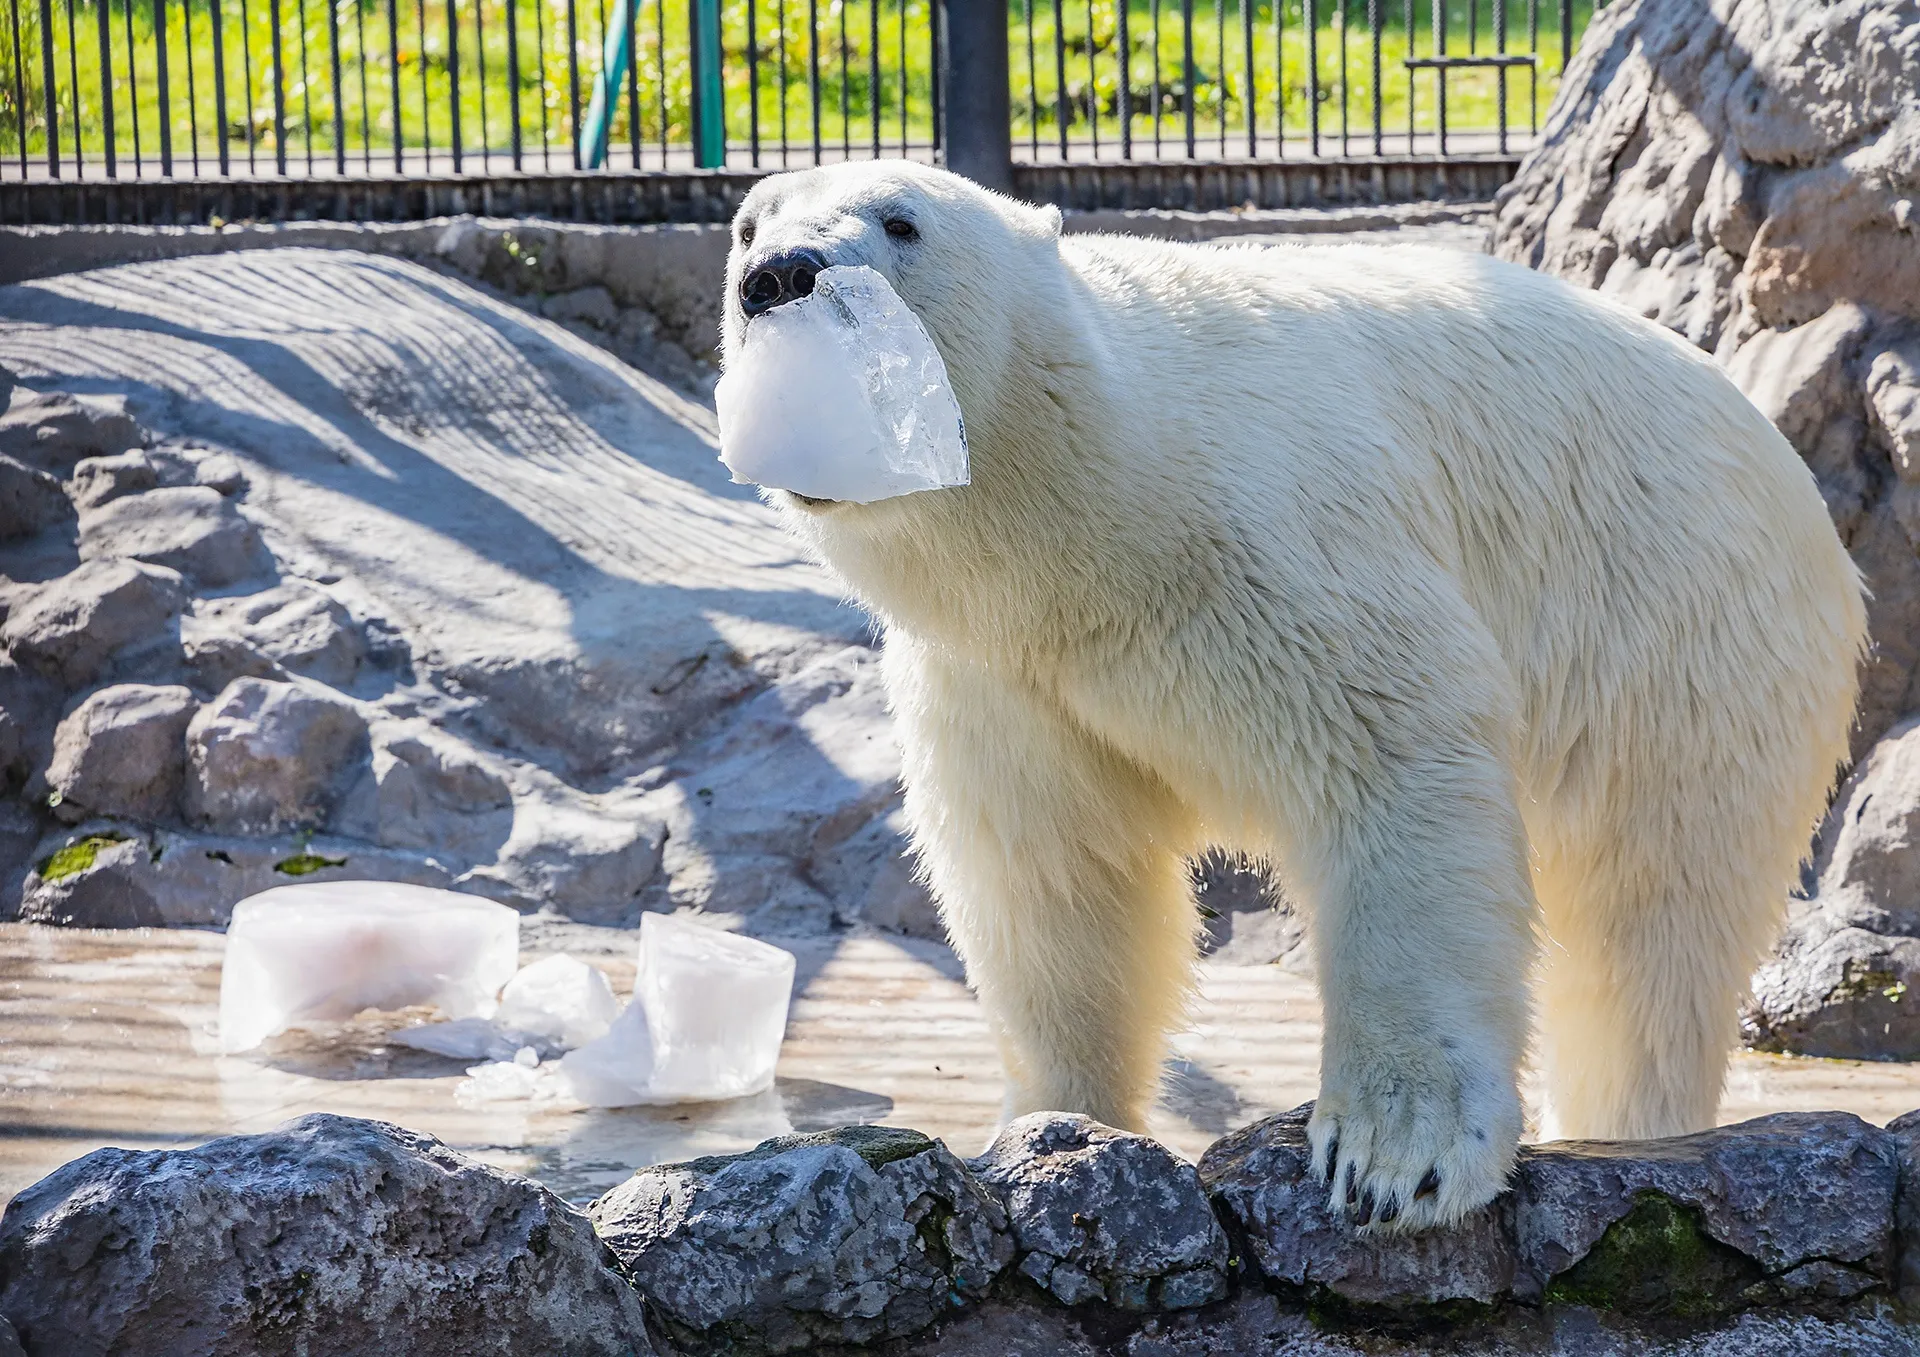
<point>1060,871</point>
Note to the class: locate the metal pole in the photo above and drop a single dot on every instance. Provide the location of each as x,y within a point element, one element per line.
<point>709,108</point>
<point>20,89</point>
<point>106,81</point>
<point>53,93</point>
<point>333,78</point>
<point>1312,25</point>
<point>1062,115</point>
<point>219,81</point>
<point>615,57</point>
<point>73,86</point>
<point>573,74</point>
<point>873,77</point>
<point>1566,36</point>
<point>393,83</point>
<point>1125,38</point>
<point>453,80</point>
<point>1187,73</point>
<point>279,89</point>
<point>160,81</point>
<point>513,79</point>
<point>977,129</point>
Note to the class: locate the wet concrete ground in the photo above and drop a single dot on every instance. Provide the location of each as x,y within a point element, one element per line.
<point>107,1038</point>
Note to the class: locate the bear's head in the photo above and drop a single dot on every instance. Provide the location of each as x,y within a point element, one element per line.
<point>965,259</point>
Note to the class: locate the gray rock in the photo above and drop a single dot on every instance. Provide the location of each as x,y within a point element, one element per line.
<point>1905,1133</point>
<point>1105,1215</point>
<point>69,628</point>
<point>96,480</point>
<point>29,500</point>
<point>1838,991</point>
<point>1249,921</point>
<point>590,305</point>
<point>294,627</point>
<point>53,430</point>
<point>265,756</point>
<point>193,529</point>
<point>219,471</point>
<point>1793,1207</point>
<point>1261,1179</point>
<point>10,1340</point>
<point>425,788</point>
<point>122,752</point>
<point>330,1234</point>
<point>98,877</point>
<point>847,1236</point>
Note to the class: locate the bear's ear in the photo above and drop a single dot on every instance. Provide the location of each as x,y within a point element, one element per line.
<point>1050,219</point>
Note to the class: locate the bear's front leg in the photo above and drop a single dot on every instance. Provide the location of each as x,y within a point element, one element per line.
<point>1059,867</point>
<point>1421,917</point>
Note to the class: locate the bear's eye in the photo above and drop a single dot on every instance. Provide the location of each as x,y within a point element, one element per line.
<point>746,233</point>
<point>900,228</point>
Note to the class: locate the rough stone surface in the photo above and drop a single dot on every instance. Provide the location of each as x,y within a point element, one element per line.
<point>194,529</point>
<point>845,1236</point>
<point>51,430</point>
<point>265,756</point>
<point>1261,1178</point>
<point>70,628</point>
<point>295,627</point>
<point>122,752</point>
<point>1101,1215</point>
<point>328,1235</point>
<point>29,500</point>
<point>96,480</point>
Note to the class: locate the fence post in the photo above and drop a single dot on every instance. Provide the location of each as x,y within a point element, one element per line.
<point>978,132</point>
<point>709,110</point>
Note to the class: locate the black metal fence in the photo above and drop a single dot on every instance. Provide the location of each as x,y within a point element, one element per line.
<point>310,88</point>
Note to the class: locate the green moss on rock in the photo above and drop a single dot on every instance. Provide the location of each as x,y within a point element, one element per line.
<point>304,863</point>
<point>76,857</point>
<point>1658,1259</point>
<point>878,1145</point>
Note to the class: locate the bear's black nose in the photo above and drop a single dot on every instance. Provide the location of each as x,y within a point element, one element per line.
<point>779,279</point>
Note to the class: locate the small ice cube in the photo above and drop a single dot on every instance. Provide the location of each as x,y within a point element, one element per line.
<point>499,1082</point>
<point>841,395</point>
<point>330,949</point>
<point>566,1001</point>
<point>708,1013</point>
<point>461,1039</point>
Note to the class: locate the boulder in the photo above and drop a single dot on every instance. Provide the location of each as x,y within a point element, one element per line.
<point>96,480</point>
<point>295,627</point>
<point>70,628</point>
<point>122,752</point>
<point>52,430</point>
<point>847,1236</point>
<point>1105,1215</point>
<point>425,788</point>
<point>29,500</point>
<point>330,1234</point>
<point>265,756</point>
<point>1261,1178</point>
<point>194,529</point>
<point>99,877</point>
<point>588,305</point>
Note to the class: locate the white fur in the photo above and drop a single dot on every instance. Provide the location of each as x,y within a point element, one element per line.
<point>1445,586</point>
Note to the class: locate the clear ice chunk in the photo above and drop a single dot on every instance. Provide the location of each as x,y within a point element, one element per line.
<point>841,395</point>
<point>560,998</point>
<point>708,1013</point>
<point>500,1081</point>
<point>329,949</point>
<point>461,1039</point>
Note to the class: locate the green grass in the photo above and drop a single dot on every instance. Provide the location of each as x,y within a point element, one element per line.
<point>421,53</point>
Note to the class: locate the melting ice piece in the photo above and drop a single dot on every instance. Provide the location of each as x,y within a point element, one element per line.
<point>708,1012</point>
<point>559,998</point>
<point>329,949</point>
<point>841,395</point>
<point>501,1080</point>
<point>462,1039</point>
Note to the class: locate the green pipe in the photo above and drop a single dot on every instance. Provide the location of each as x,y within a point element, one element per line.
<point>615,53</point>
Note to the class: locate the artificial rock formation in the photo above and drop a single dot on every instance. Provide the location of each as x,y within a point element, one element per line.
<point>1746,173</point>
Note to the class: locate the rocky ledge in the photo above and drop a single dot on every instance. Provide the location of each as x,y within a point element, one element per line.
<point>1793,1233</point>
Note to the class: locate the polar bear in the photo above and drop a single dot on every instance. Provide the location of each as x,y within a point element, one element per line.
<point>1494,616</point>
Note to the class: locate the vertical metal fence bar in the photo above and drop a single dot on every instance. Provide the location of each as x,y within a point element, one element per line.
<point>634,131</point>
<point>333,85</point>
<point>1440,71</point>
<point>813,71</point>
<point>105,38</point>
<point>393,87</point>
<point>1123,38</point>
<point>540,64</point>
<point>73,87</point>
<point>1566,36</point>
<point>426,105</point>
<point>1155,93</point>
<point>161,90</point>
<point>20,86</point>
<point>246,74</point>
<point>873,70</point>
<point>573,84</point>
<point>1413,39</point>
<point>133,90</point>
<point>49,89</point>
<point>366,104</point>
<point>480,80</point>
<point>1093,86</point>
<point>660,72</point>
<point>906,84</point>
<point>453,88</point>
<point>1033,88</point>
<point>1341,9</point>
<point>1279,79</point>
<point>1060,73</point>
<point>306,87</point>
<point>1500,72</point>
<point>193,103</point>
<point>846,132</point>
<point>1187,71</point>
<point>514,144</point>
<point>1310,22</point>
<point>1250,95</point>
<point>219,86</point>
<point>1220,55</point>
<point>279,88</point>
<point>933,70</point>
<point>1375,21</point>
<point>780,22</point>
<point>753,92</point>
<point>1533,67</point>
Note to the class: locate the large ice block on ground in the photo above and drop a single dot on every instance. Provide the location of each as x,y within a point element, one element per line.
<point>841,395</point>
<point>560,998</point>
<point>708,1012</point>
<point>330,949</point>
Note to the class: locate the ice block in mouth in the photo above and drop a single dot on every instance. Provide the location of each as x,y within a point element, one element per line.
<point>708,1013</point>
<point>841,395</point>
<point>327,950</point>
